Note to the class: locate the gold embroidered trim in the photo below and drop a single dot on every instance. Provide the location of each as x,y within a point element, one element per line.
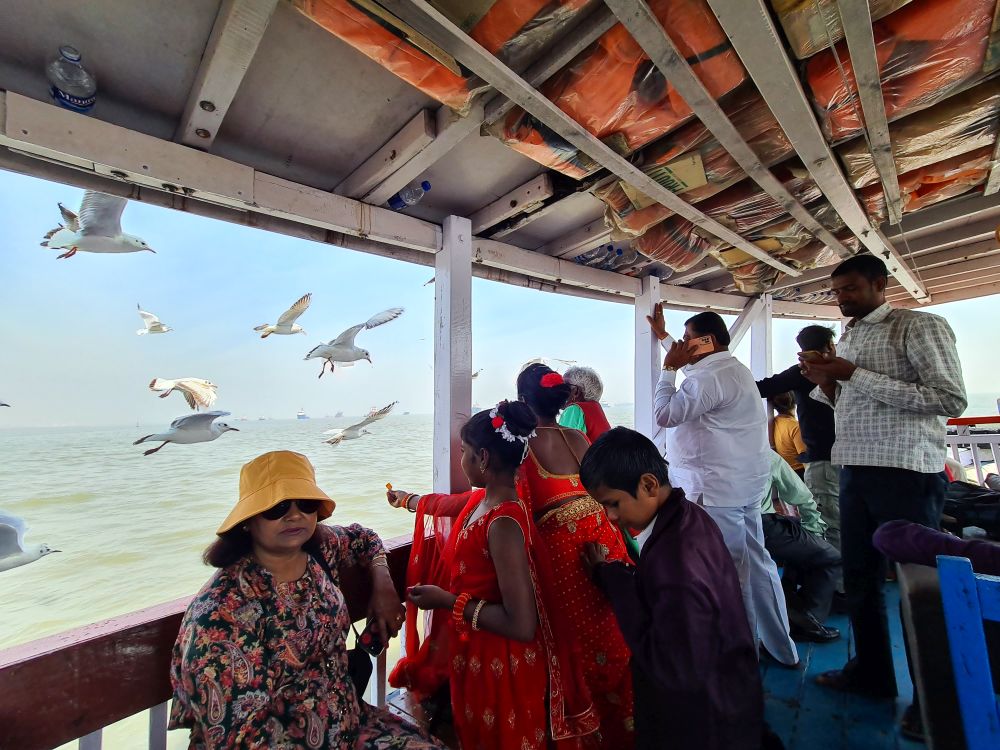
<point>575,510</point>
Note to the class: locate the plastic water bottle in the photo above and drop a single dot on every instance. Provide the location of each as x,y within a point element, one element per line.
<point>70,85</point>
<point>626,258</point>
<point>590,255</point>
<point>409,196</point>
<point>600,256</point>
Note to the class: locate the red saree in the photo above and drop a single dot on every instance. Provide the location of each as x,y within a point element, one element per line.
<point>505,694</point>
<point>567,518</point>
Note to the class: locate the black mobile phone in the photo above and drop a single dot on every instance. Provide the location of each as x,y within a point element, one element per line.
<point>370,641</point>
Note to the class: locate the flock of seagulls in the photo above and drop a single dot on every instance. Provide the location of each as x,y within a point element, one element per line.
<point>96,228</point>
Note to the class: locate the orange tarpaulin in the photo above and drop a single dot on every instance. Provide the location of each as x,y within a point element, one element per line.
<point>932,184</point>
<point>813,25</point>
<point>754,121</point>
<point>924,51</point>
<point>513,30</point>
<point>614,90</point>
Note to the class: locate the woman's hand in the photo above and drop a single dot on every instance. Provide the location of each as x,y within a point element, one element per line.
<point>384,607</point>
<point>397,498</point>
<point>431,597</point>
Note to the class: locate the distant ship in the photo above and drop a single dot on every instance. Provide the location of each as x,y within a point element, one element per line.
<point>301,414</point>
<point>261,419</point>
<point>338,415</point>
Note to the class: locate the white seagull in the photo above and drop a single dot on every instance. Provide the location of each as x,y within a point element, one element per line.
<point>191,428</point>
<point>13,553</point>
<point>342,350</point>
<point>286,324</point>
<point>97,229</point>
<point>197,392</point>
<point>357,430</point>
<point>151,322</point>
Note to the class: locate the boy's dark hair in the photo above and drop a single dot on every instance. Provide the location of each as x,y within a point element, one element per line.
<point>869,266</point>
<point>707,323</point>
<point>783,403</point>
<point>617,460</point>
<point>814,338</point>
<point>480,433</point>
<point>545,401</point>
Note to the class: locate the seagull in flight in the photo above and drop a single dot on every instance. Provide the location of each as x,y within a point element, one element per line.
<point>191,428</point>
<point>3,404</point>
<point>96,229</point>
<point>342,350</point>
<point>358,430</point>
<point>13,553</point>
<point>151,322</point>
<point>286,324</point>
<point>197,392</point>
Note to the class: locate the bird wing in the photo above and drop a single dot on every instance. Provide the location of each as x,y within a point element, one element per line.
<point>101,214</point>
<point>335,431</point>
<point>71,220</point>
<point>347,337</point>
<point>148,319</point>
<point>12,531</point>
<point>335,440</point>
<point>374,416</point>
<point>199,421</point>
<point>383,317</point>
<point>198,392</point>
<point>290,315</point>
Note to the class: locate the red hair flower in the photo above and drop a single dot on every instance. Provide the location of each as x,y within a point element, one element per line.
<point>497,422</point>
<point>552,379</point>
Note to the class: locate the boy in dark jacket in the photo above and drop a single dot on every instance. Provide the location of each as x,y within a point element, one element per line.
<point>694,660</point>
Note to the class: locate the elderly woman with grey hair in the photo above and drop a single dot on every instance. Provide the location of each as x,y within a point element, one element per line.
<point>584,411</point>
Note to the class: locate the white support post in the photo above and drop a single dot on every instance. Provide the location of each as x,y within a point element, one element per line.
<point>647,362</point>
<point>744,321</point>
<point>452,351</point>
<point>158,716</point>
<point>761,340</point>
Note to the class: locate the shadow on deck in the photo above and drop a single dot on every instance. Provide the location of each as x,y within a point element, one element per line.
<point>807,716</point>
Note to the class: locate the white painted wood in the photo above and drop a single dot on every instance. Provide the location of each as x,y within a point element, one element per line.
<point>278,197</point>
<point>520,199</point>
<point>804,310</point>
<point>648,356</point>
<point>857,21</point>
<point>452,351</point>
<point>939,298</point>
<point>707,266</point>
<point>751,31</point>
<point>91,741</point>
<point>451,130</point>
<point>761,341</point>
<point>645,28</point>
<point>238,29</point>
<point>741,326</point>
<point>685,298</point>
<point>416,135</point>
<point>42,129</point>
<point>158,716</point>
<point>426,18</point>
<point>578,241</point>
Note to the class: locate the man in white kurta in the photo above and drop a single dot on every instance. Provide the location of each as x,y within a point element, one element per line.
<point>719,455</point>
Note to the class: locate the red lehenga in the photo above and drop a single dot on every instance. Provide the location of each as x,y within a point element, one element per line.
<point>567,517</point>
<point>505,693</point>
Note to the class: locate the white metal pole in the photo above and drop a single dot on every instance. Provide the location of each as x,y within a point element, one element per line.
<point>647,361</point>
<point>761,340</point>
<point>452,351</point>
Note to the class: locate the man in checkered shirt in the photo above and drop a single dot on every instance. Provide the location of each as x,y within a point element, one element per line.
<point>895,377</point>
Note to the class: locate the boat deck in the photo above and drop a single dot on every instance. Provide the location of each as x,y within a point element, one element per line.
<point>807,716</point>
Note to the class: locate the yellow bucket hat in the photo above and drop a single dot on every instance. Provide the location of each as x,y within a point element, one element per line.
<point>272,478</point>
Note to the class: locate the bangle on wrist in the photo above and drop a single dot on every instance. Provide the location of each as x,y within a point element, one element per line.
<point>380,560</point>
<point>406,502</point>
<point>475,614</point>
<point>458,610</point>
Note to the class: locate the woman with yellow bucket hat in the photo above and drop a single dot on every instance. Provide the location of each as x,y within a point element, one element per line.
<point>261,658</point>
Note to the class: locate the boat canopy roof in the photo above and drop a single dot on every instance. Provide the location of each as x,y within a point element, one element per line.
<point>737,155</point>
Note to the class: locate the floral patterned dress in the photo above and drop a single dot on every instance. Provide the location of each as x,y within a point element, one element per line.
<point>262,664</point>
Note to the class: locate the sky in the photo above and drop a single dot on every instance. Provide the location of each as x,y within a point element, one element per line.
<point>71,355</point>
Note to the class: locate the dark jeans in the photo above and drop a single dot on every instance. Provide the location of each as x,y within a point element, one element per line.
<point>812,565</point>
<point>870,496</point>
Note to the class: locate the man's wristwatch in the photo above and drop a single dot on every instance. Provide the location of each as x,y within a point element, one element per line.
<point>669,368</point>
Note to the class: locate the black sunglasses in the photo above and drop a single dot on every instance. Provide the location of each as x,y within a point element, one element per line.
<point>307,507</point>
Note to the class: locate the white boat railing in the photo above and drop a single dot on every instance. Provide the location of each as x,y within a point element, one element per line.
<point>982,445</point>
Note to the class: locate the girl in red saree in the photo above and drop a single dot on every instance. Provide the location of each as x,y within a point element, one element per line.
<point>568,518</point>
<point>492,634</point>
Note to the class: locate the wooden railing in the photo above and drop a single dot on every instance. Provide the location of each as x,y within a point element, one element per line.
<point>72,685</point>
